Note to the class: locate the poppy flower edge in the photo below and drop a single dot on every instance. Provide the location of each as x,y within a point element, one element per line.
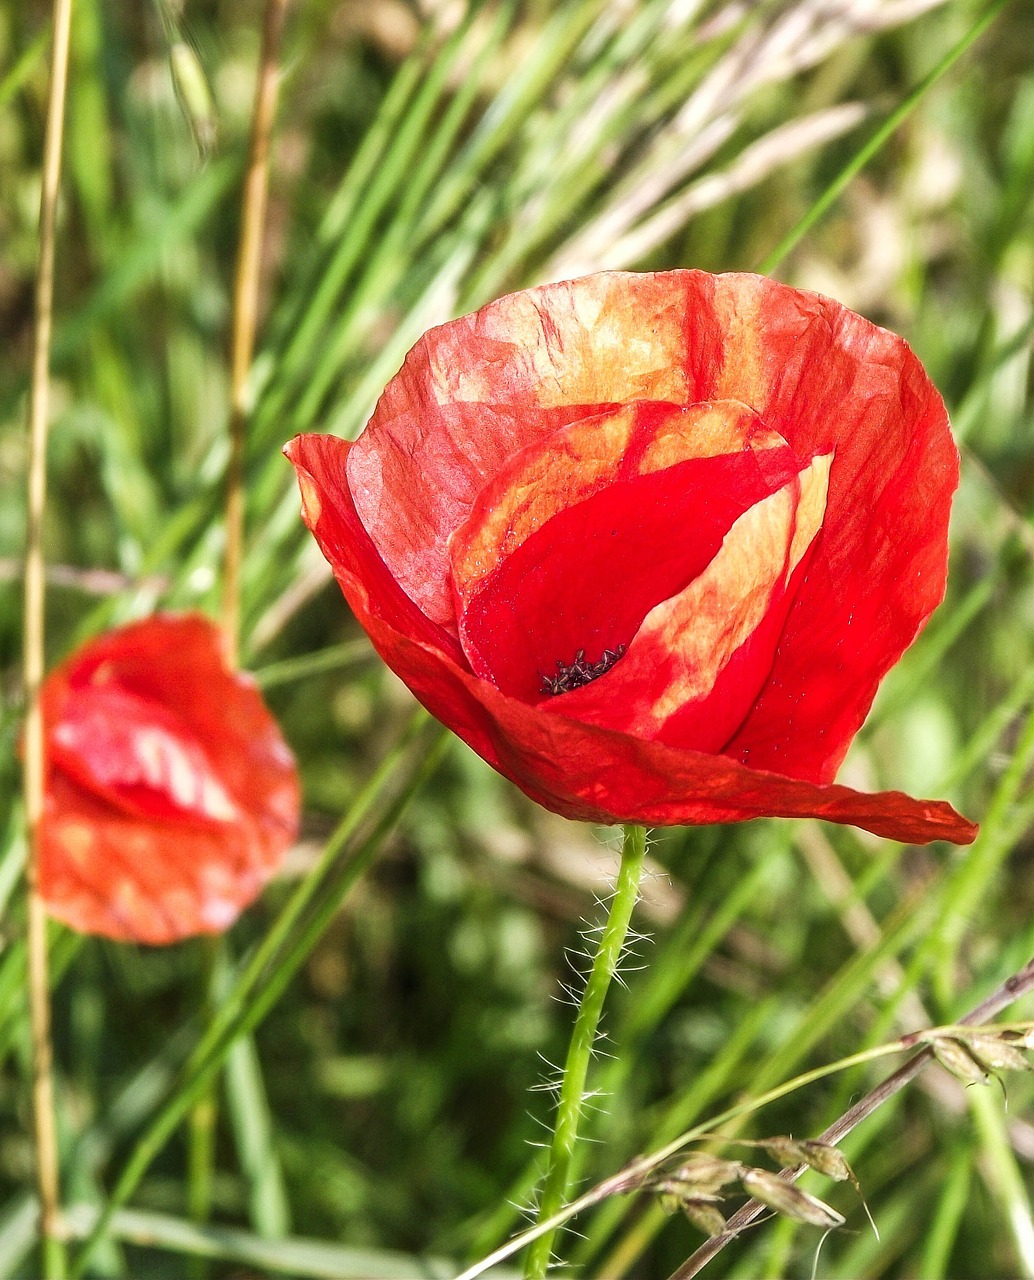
<point>171,796</point>
<point>497,522</point>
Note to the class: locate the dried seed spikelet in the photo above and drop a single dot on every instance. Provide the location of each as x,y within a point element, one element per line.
<point>194,94</point>
<point>956,1057</point>
<point>670,1201</point>
<point>704,1173</point>
<point>787,1151</point>
<point>694,1187</point>
<point>705,1217</point>
<point>674,1187</point>
<point>790,1201</point>
<point>995,1053</point>
<point>816,1155</point>
<point>820,1156</point>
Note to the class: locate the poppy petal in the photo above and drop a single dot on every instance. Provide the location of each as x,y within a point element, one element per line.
<point>138,755</point>
<point>171,796</point>
<point>412,496</point>
<point>473,392</point>
<point>579,564</point>
<point>666,686</point>
<point>580,770</point>
<point>480,409</point>
<point>831,379</point>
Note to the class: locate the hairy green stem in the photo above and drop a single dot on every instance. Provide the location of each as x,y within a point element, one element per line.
<point>572,1087</point>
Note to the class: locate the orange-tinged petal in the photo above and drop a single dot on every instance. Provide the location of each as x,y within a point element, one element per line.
<point>572,464</point>
<point>474,391</point>
<point>666,687</point>
<point>575,562</point>
<point>105,872</point>
<point>416,486</point>
<point>606,339</point>
<point>585,562</point>
<point>171,796</point>
<point>827,379</point>
<point>138,755</point>
<point>580,770</point>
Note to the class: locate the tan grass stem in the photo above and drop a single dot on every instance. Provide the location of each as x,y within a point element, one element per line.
<point>245,313</point>
<point>247,280</point>
<point>47,1166</point>
<point>1019,984</point>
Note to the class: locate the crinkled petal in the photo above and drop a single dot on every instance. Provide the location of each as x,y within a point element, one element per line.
<point>416,479</point>
<point>580,770</point>
<point>475,391</point>
<point>582,534</point>
<point>827,378</point>
<point>669,686</point>
<point>323,468</point>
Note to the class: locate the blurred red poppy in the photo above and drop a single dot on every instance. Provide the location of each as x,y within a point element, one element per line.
<point>648,543</point>
<point>171,796</point>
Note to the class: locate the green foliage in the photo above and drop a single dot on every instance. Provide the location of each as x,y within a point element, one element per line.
<point>398,988</point>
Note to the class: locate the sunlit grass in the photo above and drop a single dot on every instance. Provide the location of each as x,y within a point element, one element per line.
<point>420,169</point>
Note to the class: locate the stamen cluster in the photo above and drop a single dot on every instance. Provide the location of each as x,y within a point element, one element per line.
<point>580,672</point>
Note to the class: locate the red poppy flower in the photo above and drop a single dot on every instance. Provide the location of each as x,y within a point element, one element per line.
<point>648,543</point>
<point>171,796</point>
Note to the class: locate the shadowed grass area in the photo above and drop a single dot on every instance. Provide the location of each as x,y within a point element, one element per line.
<point>399,992</point>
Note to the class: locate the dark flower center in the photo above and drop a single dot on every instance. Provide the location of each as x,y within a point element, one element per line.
<point>580,672</point>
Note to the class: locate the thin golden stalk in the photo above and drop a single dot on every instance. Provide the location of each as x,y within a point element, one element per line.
<point>246,282</point>
<point>1019,984</point>
<point>245,313</point>
<point>47,1168</point>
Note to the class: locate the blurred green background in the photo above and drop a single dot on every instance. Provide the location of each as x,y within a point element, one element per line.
<point>428,157</point>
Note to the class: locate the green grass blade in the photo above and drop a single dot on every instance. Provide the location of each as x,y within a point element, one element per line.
<point>876,143</point>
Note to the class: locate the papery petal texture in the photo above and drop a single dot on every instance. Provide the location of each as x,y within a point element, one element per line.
<point>648,543</point>
<point>171,796</point>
